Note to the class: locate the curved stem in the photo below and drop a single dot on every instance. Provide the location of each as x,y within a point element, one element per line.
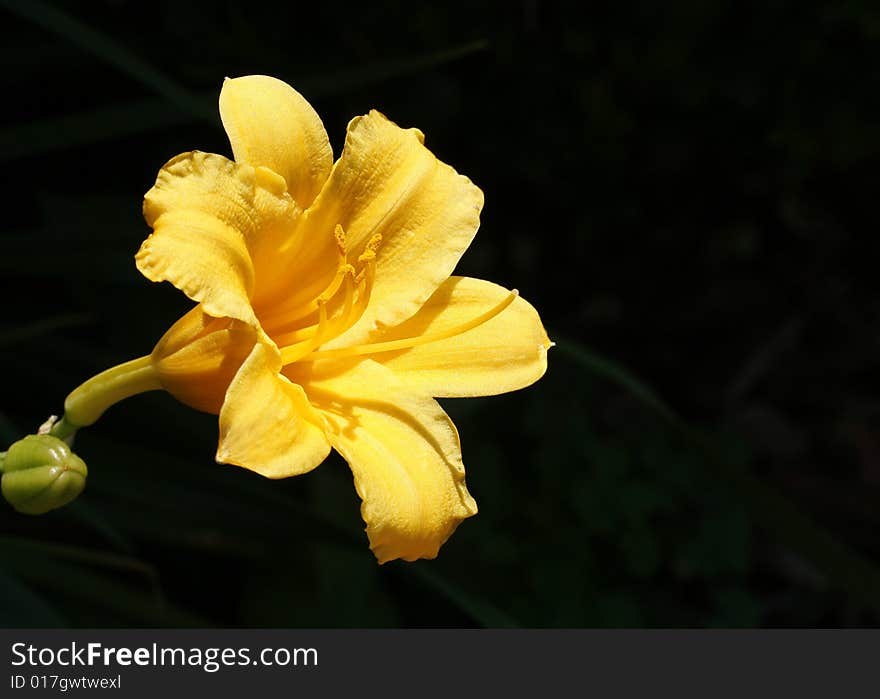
<point>88,402</point>
<point>63,429</point>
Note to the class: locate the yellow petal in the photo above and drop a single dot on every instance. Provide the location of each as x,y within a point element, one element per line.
<point>266,423</point>
<point>387,182</point>
<point>276,271</point>
<point>192,325</point>
<point>503,354</point>
<point>198,357</point>
<point>271,124</point>
<point>403,451</point>
<point>213,220</point>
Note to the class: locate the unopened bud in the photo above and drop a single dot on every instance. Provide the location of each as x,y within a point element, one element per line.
<point>41,473</point>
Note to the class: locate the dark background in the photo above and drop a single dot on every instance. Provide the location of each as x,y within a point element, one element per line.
<point>687,191</point>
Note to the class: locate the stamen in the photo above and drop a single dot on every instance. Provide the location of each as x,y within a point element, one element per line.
<point>365,279</point>
<point>294,353</point>
<point>394,345</point>
<point>339,234</point>
<point>307,308</point>
<point>349,295</point>
<point>345,272</point>
<point>340,323</point>
<point>295,336</point>
<point>372,246</point>
<point>357,291</point>
<point>351,311</point>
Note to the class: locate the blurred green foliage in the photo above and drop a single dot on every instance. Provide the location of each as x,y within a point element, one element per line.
<point>684,189</point>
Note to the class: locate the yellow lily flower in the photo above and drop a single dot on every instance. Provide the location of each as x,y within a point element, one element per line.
<point>327,316</point>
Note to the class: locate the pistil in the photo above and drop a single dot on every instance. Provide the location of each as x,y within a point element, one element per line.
<point>407,343</point>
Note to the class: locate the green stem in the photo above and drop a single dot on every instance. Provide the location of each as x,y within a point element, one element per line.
<point>88,402</point>
<point>63,429</point>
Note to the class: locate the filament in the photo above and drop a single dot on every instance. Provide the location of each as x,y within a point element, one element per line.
<point>295,352</point>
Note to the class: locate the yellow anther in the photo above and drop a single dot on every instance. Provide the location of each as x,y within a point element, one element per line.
<point>374,242</point>
<point>339,234</point>
<point>370,249</point>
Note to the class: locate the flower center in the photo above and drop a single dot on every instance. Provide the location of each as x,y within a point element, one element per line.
<point>347,297</point>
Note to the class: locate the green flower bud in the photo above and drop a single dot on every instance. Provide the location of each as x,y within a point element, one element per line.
<point>40,473</point>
